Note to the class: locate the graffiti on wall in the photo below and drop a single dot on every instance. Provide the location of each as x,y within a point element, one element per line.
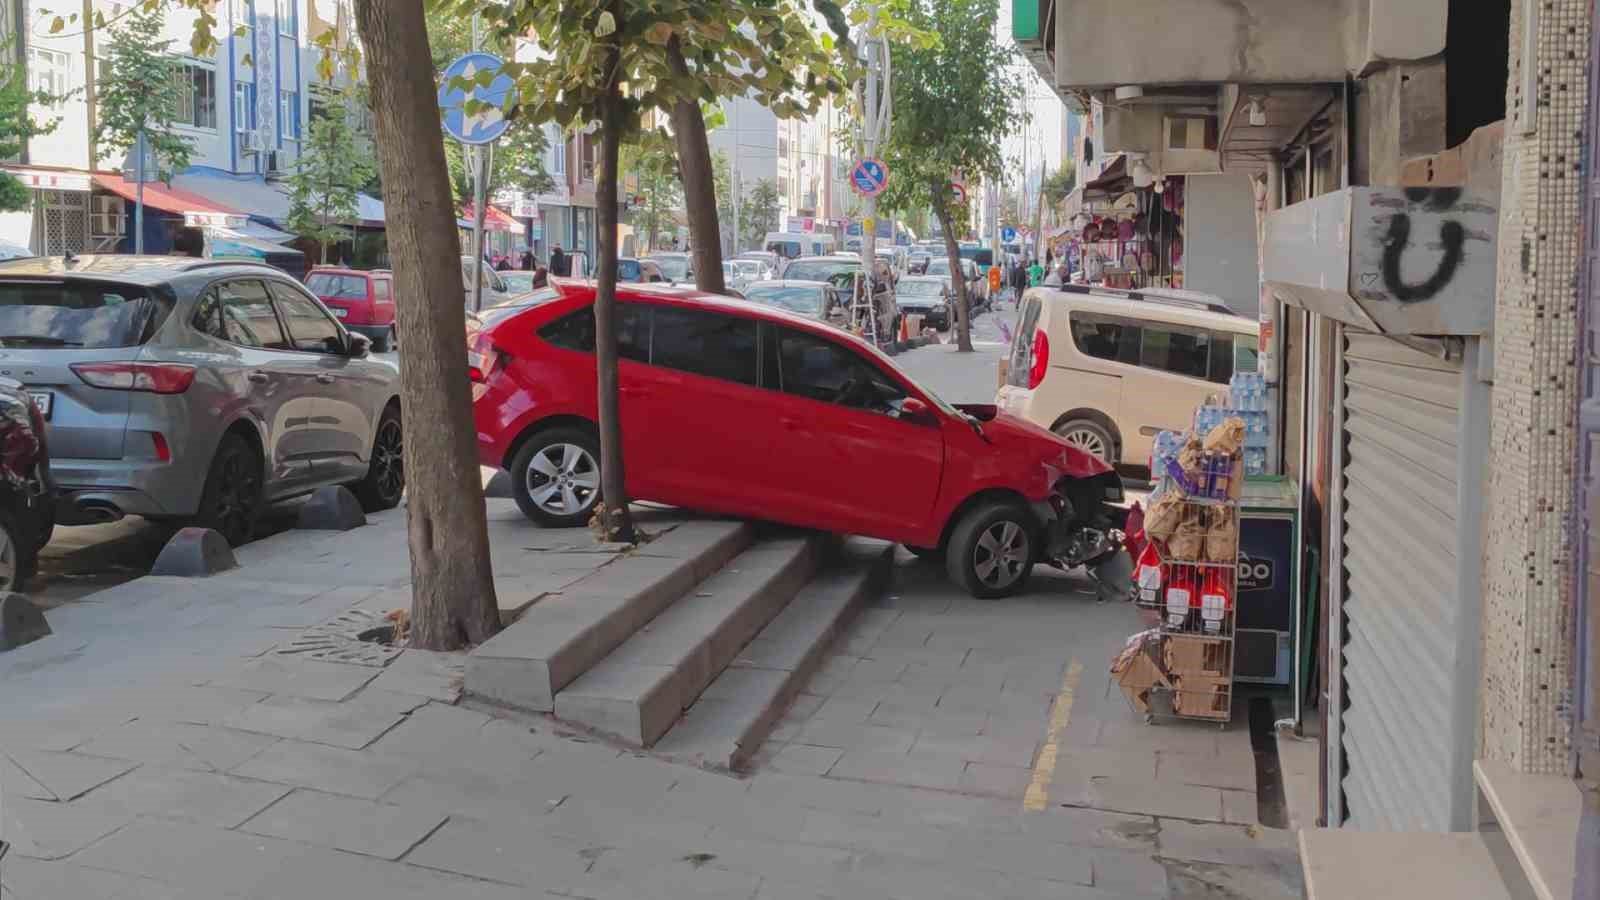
<point>1424,255</point>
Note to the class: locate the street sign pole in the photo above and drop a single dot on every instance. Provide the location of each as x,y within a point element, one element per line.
<point>481,160</point>
<point>138,200</point>
<point>477,133</point>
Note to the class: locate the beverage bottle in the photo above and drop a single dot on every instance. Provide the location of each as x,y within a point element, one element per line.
<point>1216,600</point>
<point>1180,595</point>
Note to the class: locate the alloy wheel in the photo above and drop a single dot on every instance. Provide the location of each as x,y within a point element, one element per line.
<point>388,460</point>
<point>1002,554</point>
<point>237,492</point>
<point>563,479</point>
<point>8,561</point>
<point>1089,441</point>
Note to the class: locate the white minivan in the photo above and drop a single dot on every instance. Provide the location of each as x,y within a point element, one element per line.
<point>1107,369</point>
<point>791,245</point>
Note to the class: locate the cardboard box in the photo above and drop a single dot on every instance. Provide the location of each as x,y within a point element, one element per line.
<point>1139,670</point>
<point>1203,697</point>
<point>1190,656</point>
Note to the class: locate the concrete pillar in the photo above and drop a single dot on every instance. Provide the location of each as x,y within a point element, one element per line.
<point>1528,590</point>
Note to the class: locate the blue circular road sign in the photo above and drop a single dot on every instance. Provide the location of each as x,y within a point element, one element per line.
<point>486,123</point>
<point>1008,234</point>
<point>868,177</point>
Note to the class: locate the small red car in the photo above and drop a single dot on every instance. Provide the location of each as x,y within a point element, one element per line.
<point>362,299</point>
<point>747,410</point>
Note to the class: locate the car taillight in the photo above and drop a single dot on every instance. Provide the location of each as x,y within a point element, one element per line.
<point>1039,359</point>
<point>483,358</point>
<point>154,378</point>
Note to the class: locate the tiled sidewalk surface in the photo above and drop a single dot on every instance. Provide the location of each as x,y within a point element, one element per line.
<point>156,747</point>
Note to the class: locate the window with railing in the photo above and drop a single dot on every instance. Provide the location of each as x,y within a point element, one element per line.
<point>49,74</point>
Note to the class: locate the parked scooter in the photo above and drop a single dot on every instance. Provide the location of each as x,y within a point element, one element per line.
<point>27,509</point>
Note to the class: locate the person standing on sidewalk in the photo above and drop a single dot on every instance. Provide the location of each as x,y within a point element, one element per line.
<point>1035,274</point>
<point>994,282</point>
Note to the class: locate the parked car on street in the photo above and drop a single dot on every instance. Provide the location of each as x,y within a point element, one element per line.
<point>1106,368</point>
<point>977,284</point>
<point>813,299</point>
<point>676,268</point>
<point>837,270</point>
<point>518,281</point>
<point>917,262</point>
<point>495,288</point>
<point>195,390</point>
<point>639,270</point>
<point>747,410</point>
<point>925,295</point>
<point>772,261</point>
<point>362,300</point>
<point>27,504</point>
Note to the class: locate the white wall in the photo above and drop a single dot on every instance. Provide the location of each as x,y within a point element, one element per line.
<point>750,141</point>
<point>1219,240</point>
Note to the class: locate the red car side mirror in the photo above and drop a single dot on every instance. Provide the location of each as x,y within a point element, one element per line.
<point>915,410</point>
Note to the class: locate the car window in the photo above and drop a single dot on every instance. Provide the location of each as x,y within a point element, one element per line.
<point>247,316</point>
<point>1245,353</point>
<point>653,272</point>
<point>939,266</point>
<point>1106,337</point>
<point>806,301</point>
<point>627,270</point>
<point>575,331</point>
<point>675,268</point>
<point>342,287</point>
<point>920,289</point>
<point>1179,351</point>
<point>310,329</point>
<point>819,369</point>
<point>704,343</point>
<point>1221,368</point>
<point>380,288</point>
<point>76,314</point>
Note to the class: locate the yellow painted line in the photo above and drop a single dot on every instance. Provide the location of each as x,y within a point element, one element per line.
<point>1037,796</point>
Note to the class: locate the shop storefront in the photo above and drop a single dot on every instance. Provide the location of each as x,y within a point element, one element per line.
<point>1128,235</point>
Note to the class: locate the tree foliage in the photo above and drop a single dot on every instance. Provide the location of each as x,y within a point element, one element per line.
<point>653,167</point>
<point>1060,183</point>
<point>955,100</point>
<point>325,186</point>
<point>139,91</point>
<point>760,212</point>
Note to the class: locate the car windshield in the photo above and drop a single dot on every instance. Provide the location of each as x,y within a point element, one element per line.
<point>75,314</point>
<point>747,267</point>
<point>920,290</point>
<point>515,304</point>
<point>939,266</point>
<point>673,268</point>
<point>821,269</point>
<point>517,282</point>
<point>628,270</point>
<point>785,249</point>
<point>806,301</point>
<point>337,287</point>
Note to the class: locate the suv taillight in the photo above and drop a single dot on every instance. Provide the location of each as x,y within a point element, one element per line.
<point>152,378</point>
<point>1039,359</point>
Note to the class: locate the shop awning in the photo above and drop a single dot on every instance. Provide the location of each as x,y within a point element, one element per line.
<point>494,219</point>
<point>264,200</point>
<point>1112,182</point>
<point>169,199</point>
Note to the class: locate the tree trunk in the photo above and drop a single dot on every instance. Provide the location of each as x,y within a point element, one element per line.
<point>452,590</point>
<point>615,522</point>
<point>941,199</point>
<point>699,183</point>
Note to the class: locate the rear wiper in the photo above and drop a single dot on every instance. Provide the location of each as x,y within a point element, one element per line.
<point>38,340</point>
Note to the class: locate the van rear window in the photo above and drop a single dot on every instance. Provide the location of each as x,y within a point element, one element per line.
<point>341,287</point>
<point>77,314</point>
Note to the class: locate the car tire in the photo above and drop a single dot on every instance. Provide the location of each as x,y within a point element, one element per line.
<point>555,477</point>
<point>929,553</point>
<point>385,482</point>
<point>1091,437</point>
<point>19,559</point>
<point>230,503</point>
<point>383,344</point>
<point>992,549</point>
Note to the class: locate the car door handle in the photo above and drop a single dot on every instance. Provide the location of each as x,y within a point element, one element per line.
<point>258,377</point>
<point>324,379</point>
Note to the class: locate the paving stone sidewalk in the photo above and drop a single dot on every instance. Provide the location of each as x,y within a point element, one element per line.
<point>158,746</point>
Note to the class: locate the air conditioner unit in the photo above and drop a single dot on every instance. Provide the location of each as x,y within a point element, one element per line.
<point>107,216</point>
<point>250,142</point>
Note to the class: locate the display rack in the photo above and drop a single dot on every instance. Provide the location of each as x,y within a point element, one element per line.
<point>1183,666</point>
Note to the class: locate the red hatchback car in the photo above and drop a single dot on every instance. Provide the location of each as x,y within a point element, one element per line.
<point>362,299</point>
<point>747,410</point>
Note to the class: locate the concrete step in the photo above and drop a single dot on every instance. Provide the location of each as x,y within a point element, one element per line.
<point>733,717</point>
<point>566,634</point>
<point>638,691</point>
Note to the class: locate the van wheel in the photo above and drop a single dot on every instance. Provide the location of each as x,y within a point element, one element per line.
<point>555,477</point>
<point>1089,436</point>
<point>385,343</point>
<point>992,550</point>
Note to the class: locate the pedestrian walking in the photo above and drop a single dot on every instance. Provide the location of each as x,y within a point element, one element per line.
<point>994,282</point>
<point>1035,274</point>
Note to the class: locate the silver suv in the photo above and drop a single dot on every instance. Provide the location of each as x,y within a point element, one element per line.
<point>195,390</point>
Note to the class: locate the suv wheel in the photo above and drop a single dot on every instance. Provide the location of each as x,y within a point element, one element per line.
<point>992,550</point>
<point>385,343</point>
<point>386,469</point>
<point>555,477</point>
<point>18,557</point>
<point>231,500</point>
<point>1091,437</point>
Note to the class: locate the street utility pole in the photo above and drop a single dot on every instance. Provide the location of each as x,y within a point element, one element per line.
<point>876,111</point>
<point>479,158</point>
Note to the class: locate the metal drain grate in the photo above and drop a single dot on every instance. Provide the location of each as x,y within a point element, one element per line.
<point>337,640</point>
